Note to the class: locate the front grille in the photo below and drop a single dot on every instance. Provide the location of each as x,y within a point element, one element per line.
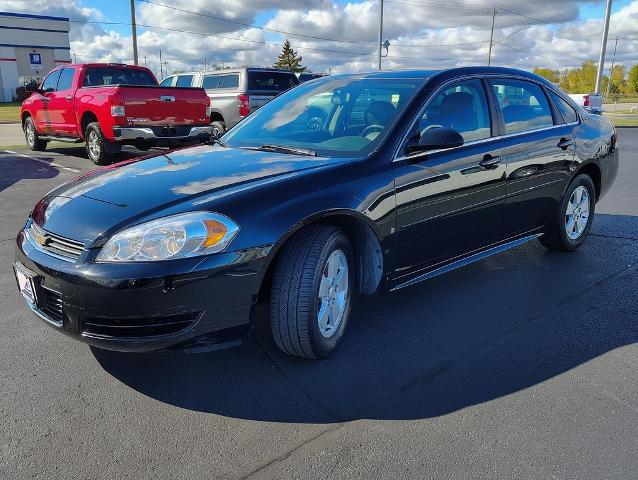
<point>55,244</point>
<point>51,305</point>
<point>138,326</point>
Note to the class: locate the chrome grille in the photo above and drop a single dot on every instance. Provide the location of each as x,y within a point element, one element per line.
<point>51,305</point>
<point>54,244</point>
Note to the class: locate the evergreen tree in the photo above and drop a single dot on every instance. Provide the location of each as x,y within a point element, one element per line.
<point>289,60</point>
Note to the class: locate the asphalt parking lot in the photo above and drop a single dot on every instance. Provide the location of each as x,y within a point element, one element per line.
<point>524,365</point>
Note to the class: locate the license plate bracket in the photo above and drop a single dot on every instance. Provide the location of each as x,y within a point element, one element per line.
<point>26,283</point>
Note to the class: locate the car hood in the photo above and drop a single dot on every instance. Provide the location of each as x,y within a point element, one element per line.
<point>111,197</point>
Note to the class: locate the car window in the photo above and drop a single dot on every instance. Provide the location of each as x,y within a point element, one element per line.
<point>462,107</point>
<point>279,81</point>
<point>523,104</point>
<point>229,81</point>
<point>566,110</point>
<point>167,82</point>
<point>339,117</point>
<point>210,81</point>
<point>50,83</point>
<point>102,76</point>
<point>184,81</point>
<point>66,79</point>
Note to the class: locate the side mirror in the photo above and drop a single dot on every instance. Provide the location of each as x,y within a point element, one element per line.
<point>436,139</point>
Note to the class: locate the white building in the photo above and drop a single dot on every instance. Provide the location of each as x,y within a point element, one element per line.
<point>30,46</point>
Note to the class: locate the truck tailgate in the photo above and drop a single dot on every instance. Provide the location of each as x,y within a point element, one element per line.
<point>164,106</point>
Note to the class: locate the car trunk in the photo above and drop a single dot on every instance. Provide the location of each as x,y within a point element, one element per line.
<point>162,106</point>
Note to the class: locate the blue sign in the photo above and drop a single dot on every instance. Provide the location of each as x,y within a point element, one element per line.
<point>35,59</point>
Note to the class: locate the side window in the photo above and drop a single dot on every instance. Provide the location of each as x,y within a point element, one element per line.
<point>523,104</point>
<point>462,107</point>
<point>210,82</point>
<point>50,83</point>
<point>184,81</point>
<point>66,79</point>
<point>229,81</point>
<point>568,112</point>
<point>167,82</point>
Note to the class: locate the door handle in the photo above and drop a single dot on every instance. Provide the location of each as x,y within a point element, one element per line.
<point>69,97</point>
<point>489,162</point>
<point>565,142</point>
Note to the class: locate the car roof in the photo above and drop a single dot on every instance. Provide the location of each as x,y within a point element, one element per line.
<point>234,70</point>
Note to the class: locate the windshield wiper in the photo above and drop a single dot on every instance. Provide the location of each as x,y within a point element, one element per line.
<point>285,149</point>
<point>218,141</point>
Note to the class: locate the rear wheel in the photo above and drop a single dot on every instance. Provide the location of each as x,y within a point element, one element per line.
<point>219,128</point>
<point>311,292</point>
<point>572,222</point>
<point>98,149</point>
<point>31,136</point>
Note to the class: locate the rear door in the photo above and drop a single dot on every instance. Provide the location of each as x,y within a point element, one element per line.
<point>61,105</point>
<point>539,153</point>
<point>450,202</point>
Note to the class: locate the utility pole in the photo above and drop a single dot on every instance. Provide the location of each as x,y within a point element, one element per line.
<point>380,30</point>
<point>611,70</point>
<point>603,47</point>
<point>489,53</point>
<point>161,67</point>
<point>134,31</point>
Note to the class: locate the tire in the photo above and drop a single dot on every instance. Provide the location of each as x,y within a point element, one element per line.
<point>295,306</point>
<point>562,234</point>
<point>219,128</point>
<point>98,149</point>
<point>31,136</point>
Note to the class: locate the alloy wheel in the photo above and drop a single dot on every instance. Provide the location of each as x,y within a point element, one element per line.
<point>577,213</point>
<point>333,293</point>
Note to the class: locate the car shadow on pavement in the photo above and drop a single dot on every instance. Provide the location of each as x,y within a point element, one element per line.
<point>496,327</point>
<point>15,168</point>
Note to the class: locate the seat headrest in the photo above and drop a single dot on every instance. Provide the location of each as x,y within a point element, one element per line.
<point>380,113</point>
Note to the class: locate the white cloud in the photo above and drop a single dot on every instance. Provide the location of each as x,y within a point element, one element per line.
<point>422,33</point>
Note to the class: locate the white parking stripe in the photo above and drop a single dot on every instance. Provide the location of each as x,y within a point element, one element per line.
<point>53,164</point>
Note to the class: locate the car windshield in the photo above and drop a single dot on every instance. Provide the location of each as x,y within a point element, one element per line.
<point>117,76</point>
<point>342,117</point>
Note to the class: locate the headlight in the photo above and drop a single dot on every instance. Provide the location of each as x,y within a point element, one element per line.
<point>177,236</point>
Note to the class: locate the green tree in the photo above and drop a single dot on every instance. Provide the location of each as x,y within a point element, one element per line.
<point>632,79</point>
<point>551,75</point>
<point>289,60</point>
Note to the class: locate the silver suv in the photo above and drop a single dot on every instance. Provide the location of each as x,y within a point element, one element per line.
<point>234,93</point>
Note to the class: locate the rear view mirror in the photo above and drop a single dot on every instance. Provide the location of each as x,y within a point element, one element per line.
<point>438,138</point>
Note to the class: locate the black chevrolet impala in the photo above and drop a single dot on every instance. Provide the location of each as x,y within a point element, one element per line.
<point>352,183</point>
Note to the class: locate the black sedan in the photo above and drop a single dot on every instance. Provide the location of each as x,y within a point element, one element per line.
<point>352,183</point>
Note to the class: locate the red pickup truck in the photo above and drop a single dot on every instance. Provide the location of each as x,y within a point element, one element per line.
<point>110,105</point>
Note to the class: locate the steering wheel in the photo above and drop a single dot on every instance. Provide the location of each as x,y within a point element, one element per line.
<point>372,128</point>
<point>430,127</point>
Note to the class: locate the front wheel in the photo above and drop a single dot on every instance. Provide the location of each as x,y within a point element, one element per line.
<point>32,138</point>
<point>570,226</point>
<point>311,292</point>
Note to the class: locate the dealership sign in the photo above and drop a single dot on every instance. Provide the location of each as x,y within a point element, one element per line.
<point>36,61</point>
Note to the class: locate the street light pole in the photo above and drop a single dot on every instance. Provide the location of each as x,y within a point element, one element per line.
<point>134,31</point>
<point>611,70</point>
<point>603,47</point>
<point>489,53</point>
<point>380,30</point>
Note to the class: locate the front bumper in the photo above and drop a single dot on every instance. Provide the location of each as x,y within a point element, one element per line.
<point>147,306</point>
<point>160,136</point>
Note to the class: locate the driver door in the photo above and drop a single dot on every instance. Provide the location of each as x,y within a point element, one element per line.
<point>450,202</point>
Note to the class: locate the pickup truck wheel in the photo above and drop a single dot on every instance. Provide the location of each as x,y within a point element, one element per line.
<point>98,149</point>
<point>570,226</point>
<point>32,138</point>
<point>219,128</point>
<point>311,292</point>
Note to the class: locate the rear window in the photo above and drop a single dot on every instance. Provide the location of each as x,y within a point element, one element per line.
<point>278,81</point>
<point>117,76</point>
<point>210,81</point>
<point>229,81</point>
<point>184,81</point>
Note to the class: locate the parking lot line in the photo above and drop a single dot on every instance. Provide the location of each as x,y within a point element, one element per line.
<point>53,164</point>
